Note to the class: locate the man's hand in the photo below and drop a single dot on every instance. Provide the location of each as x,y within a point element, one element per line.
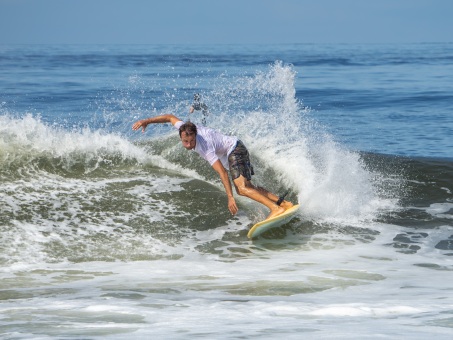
<point>232,205</point>
<point>140,124</point>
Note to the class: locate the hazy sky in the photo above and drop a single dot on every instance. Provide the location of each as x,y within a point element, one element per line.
<point>225,21</point>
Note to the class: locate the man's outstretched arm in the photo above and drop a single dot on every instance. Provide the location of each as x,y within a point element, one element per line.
<point>168,118</point>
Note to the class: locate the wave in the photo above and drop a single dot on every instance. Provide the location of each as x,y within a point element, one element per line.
<point>27,143</point>
<point>290,149</point>
<point>93,194</point>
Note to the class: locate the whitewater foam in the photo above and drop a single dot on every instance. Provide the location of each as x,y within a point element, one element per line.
<point>330,182</point>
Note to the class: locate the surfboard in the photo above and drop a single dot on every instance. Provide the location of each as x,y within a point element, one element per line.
<point>273,222</point>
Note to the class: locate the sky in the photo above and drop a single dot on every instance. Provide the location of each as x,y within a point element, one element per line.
<point>224,21</point>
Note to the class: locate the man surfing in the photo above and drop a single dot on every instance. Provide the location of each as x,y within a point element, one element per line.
<point>222,152</point>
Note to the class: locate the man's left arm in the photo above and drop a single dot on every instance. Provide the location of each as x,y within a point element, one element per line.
<point>227,184</point>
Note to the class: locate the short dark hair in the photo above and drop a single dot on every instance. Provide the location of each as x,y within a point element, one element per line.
<point>189,128</point>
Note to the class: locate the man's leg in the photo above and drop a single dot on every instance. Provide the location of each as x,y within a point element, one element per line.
<point>246,188</point>
<point>274,198</point>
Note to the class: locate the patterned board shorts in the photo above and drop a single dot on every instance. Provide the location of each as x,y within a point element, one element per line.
<point>239,162</point>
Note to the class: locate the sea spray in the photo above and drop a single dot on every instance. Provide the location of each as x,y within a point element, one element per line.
<point>329,181</point>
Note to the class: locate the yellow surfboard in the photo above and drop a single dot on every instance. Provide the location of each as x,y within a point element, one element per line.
<point>273,222</point>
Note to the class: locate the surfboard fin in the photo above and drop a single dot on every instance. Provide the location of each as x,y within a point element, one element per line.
<point>282,198</point>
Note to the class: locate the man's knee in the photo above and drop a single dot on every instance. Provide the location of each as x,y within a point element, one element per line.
<point>240,186</point>
<point>242,190</point>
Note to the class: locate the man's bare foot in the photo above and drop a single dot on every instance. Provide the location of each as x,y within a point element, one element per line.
<point>276,211</point>
<point>286,205</point>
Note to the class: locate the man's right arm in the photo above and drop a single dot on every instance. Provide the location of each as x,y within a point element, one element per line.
<point>168,118</point>
<point>232,206</point>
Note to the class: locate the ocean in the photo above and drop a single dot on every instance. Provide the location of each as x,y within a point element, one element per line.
<point>109,233</point>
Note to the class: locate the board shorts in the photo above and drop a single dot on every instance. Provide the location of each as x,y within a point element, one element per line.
<point>239,162</point>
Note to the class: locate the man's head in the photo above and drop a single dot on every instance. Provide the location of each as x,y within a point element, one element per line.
<point>188,135</point>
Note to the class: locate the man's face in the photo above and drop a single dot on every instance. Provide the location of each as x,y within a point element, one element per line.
<point>188,141</point>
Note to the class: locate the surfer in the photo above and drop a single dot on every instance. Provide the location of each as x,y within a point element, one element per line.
<point>222,152</point>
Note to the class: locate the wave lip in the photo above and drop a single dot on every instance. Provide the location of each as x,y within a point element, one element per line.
<point>28,143</point>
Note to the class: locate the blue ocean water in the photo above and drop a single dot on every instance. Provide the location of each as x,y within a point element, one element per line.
<point>392,99</point>
<point>384,98</point>
<point>106,232</point>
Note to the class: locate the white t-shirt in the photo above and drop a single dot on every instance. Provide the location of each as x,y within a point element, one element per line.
<point>212,145</point>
